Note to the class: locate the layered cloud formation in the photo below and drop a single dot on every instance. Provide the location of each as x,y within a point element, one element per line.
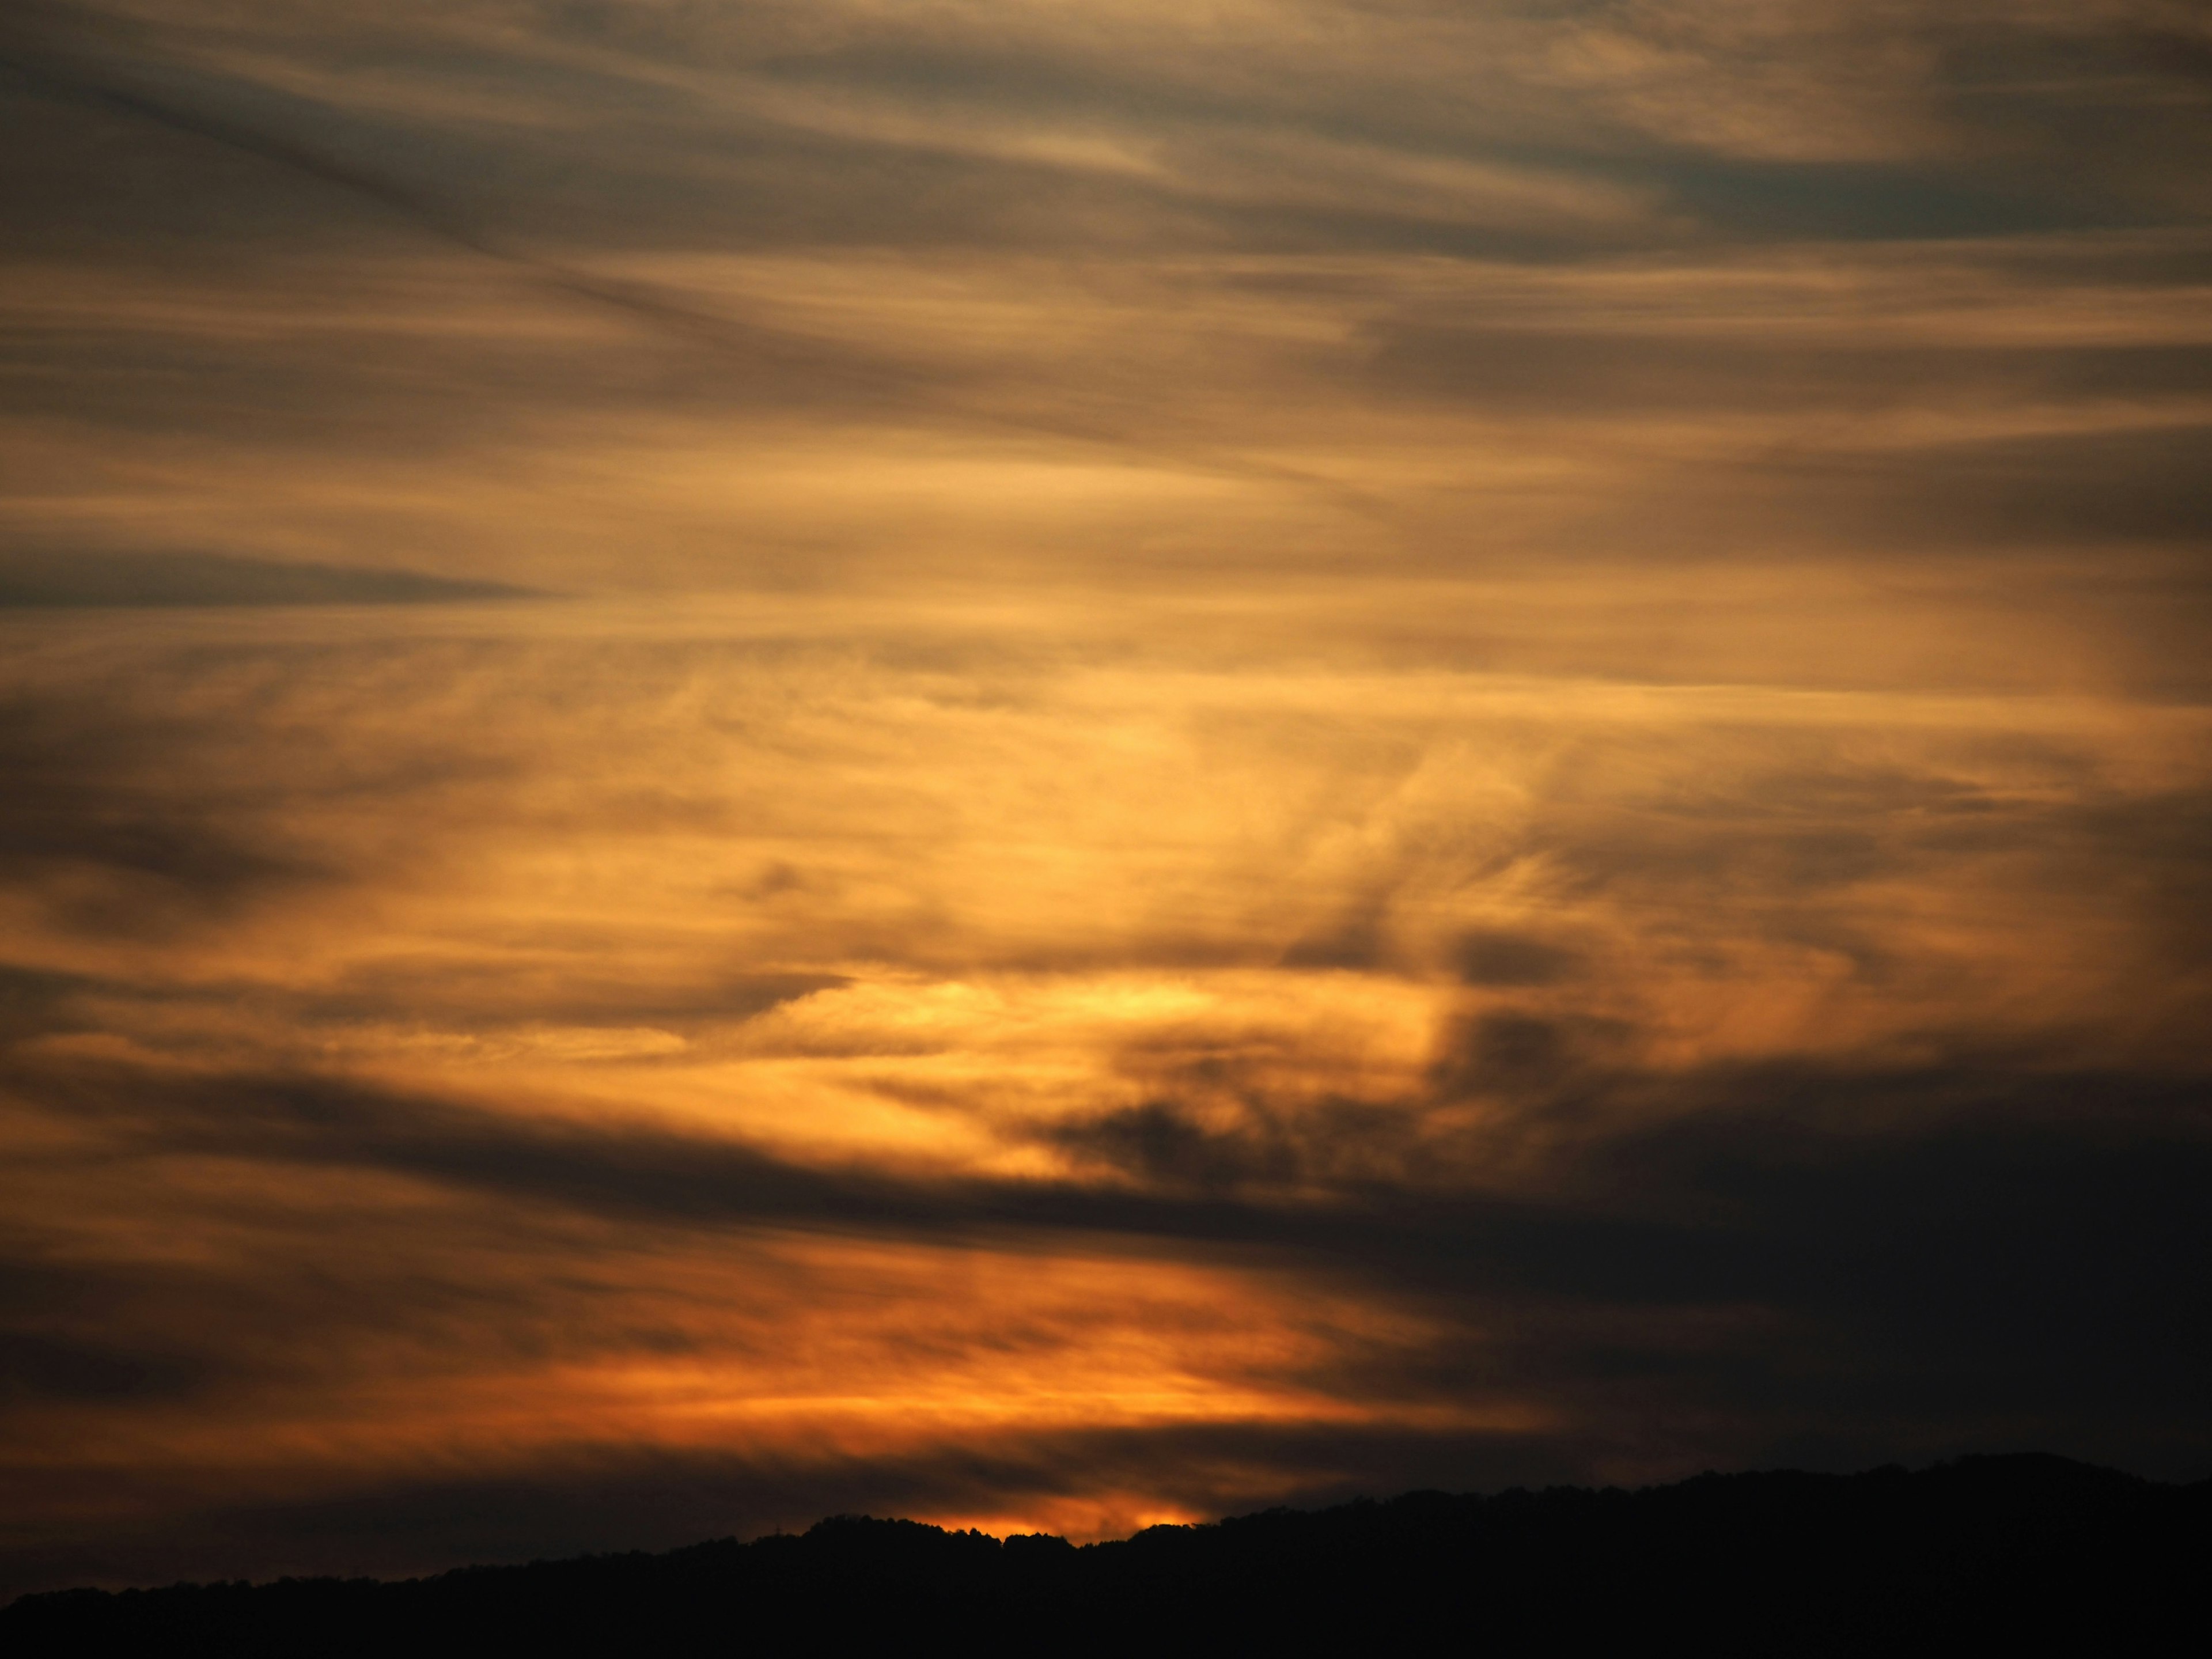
<point>1053,766</point>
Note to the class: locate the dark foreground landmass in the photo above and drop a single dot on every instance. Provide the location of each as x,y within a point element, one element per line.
<point>1984,1555</point>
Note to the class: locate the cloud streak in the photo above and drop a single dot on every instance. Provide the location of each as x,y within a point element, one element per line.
<point>1055,769</point>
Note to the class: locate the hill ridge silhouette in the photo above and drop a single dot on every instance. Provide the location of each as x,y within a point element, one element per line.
<point>2034,1550</point>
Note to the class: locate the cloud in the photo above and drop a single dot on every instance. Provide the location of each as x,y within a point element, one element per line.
<point>1756,1262</point>
<point>1496,956</point>
<point>82,831</point>
<point>1289,749</point>
<point>1524,129</point>
<point>79,577</point>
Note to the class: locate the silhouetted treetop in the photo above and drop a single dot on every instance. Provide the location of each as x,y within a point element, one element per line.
<point>2030,1553</point>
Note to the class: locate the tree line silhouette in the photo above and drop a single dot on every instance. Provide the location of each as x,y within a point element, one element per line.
<point>2025,1553</point>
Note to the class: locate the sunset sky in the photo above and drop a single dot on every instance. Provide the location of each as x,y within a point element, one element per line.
<point>1058,764</point>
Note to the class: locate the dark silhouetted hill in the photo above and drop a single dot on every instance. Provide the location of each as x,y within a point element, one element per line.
<point>1994,1555</point>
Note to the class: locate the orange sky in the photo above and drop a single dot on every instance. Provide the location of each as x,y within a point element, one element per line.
<point>1052,766</point>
